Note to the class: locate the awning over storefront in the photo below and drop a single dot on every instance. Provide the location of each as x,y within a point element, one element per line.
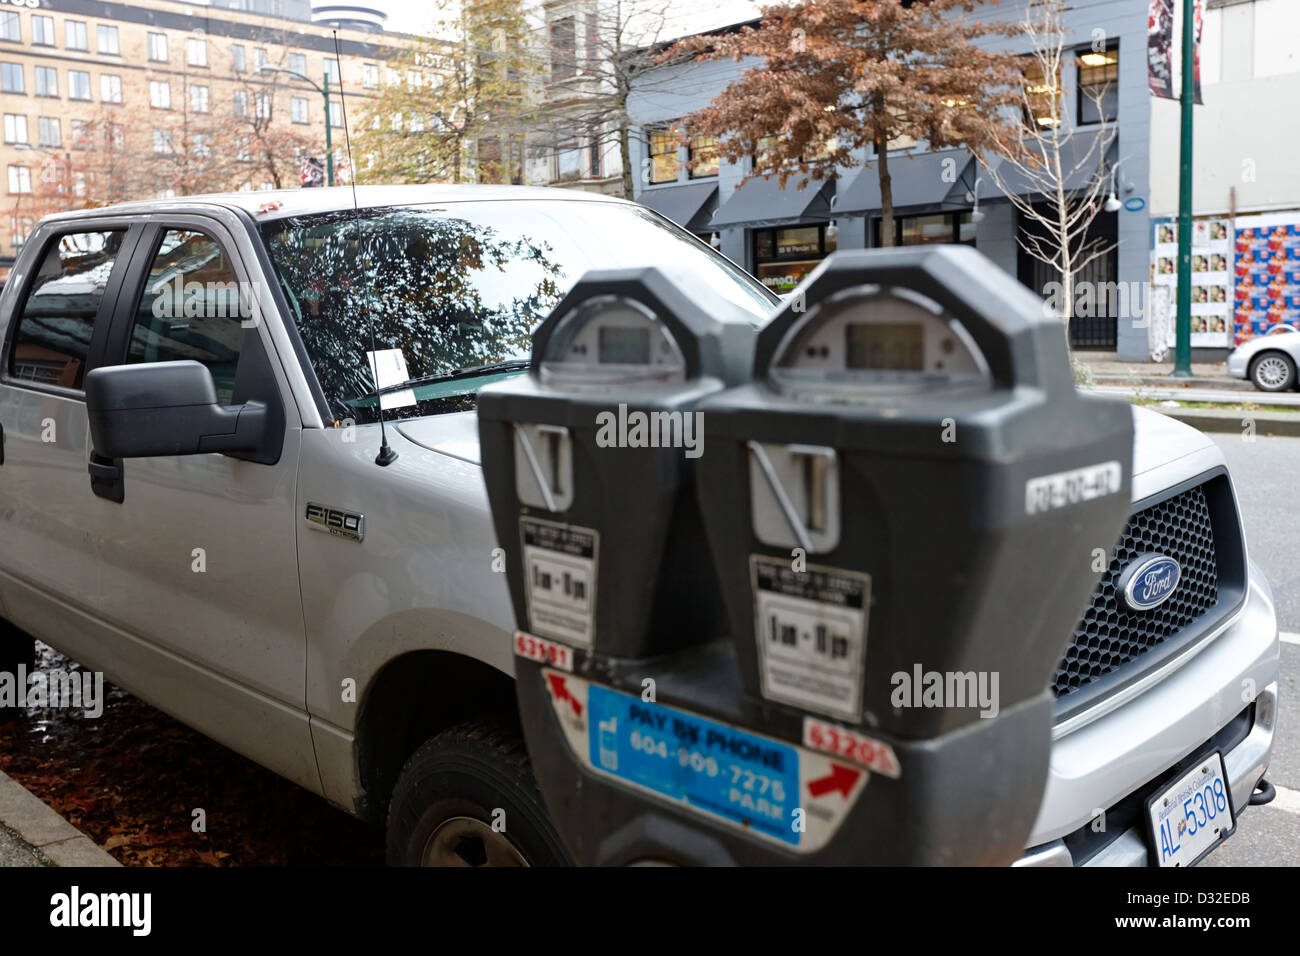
<point>688,205</point>
<point>1080,161</point>
<point>916,179</point>
<point>762,202</point>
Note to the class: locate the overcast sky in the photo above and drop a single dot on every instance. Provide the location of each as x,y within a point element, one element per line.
<point>687,16</point>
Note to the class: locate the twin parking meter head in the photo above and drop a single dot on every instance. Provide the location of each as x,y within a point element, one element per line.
<point>589,463</point>
<point>903,507</point>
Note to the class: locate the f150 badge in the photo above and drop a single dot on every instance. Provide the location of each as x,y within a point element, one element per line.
<point>345,524</point>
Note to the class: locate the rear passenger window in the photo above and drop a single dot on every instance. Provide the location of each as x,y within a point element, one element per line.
<point>191,309</point>
<point>52,339</point>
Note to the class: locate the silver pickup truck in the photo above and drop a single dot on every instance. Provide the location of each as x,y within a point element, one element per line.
<point>236,556</point>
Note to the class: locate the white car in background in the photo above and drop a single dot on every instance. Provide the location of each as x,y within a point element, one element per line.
<point>1269,361</point>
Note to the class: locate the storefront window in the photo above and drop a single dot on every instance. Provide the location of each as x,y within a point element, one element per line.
<point>926,230</point>
<point>782,257</point>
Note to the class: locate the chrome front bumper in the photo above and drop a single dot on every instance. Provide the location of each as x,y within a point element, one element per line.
<point>1099,762</point>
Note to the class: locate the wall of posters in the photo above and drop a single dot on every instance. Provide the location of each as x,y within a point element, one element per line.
<point>1266,267</point>
<point>1212,277</point>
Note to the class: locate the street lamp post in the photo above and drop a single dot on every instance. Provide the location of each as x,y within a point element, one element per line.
<point>325,92</point>
<point>1183,322</point>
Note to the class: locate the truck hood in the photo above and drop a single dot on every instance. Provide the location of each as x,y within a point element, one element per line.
<point>1157,439</point>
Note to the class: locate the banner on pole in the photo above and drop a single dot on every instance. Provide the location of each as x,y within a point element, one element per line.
<point>1164,65</point>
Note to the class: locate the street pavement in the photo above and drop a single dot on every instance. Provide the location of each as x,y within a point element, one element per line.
<point>14,851</point>
<point>1264,473</point>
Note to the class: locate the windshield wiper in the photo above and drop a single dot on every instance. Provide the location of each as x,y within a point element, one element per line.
<point>469,371</point>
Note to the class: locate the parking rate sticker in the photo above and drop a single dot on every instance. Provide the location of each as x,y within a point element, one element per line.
<point>776,790</point>
<point>811,629</point>
<point>560,579</point>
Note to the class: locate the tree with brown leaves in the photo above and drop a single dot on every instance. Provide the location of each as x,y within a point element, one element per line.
<point>841,75</point>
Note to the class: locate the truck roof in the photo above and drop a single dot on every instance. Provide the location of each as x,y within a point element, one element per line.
<point>269,204</point>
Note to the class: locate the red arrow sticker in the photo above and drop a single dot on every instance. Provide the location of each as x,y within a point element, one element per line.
<point>840,778</point>
<point>560,691</point>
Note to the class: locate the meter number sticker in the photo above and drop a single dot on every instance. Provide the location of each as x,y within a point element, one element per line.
<point>1065,488</point>
<point>560,579</point>
<point>811,629</point>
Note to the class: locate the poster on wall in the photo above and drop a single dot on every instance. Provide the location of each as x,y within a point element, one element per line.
<point>1212,251</point>
<point>1163,52</point>
<point>1266,264</point>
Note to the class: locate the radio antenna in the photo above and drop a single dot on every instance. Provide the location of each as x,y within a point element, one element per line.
<point>386,454</point>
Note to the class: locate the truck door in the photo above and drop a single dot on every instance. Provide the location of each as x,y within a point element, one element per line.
<point>199,561</point>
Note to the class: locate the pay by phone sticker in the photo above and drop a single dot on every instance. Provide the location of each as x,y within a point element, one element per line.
<point>777,791</point>
<point>1065,488</point>
<point>811,630</point>
<point>560,579</point>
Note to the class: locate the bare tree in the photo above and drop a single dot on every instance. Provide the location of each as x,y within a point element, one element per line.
<point>1063,167</point>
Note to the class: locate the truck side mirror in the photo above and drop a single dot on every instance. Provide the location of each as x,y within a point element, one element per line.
<point>171,408</point>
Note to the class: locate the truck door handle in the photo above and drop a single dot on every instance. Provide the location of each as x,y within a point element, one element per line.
<point>106,477</point>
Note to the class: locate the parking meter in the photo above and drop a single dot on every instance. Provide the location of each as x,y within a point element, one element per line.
<point>589,463</point>
<point>901,508</point>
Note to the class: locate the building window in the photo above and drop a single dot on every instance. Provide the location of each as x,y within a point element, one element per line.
<point>20,179</point>
<point>49,131</point>
<point>79,131</point>
<point>160,94</point>
<point>298,109</point>
<point>568,162</point>
<point>78,85</point>
<point>47,81</point>
<point>370,76</point>
<point>782,257</point>
<point>594,157</point>
<point>11,78</point>
<point>298,63</point>
<point>263,102</point>
<point>22,226</point>
<point>162,142</point>
<point>110,88</point>
<point>702,153</point>
<point>1099,86</point>
<point>75,34</point>
<point>237,58</point>
<point>15,128</point>
<point>259,58</point>
<point>332,69</point>
<point>944,227</point>
<point>563,54</point>
<point>1039,94</point>
<point>9,28</point>
<point>202,144</point>
<point>241,103</point>
<point>113,136</point>
<point>336,115</point>
<point>42,30</point>
<point>198,99</point>
<point>196,51</point>
<point>158,47</point>
<point>106,39</point>
<point>663,154</point>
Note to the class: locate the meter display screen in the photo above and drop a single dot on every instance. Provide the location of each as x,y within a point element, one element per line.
<point>623,345</point>
<point>887,346</point>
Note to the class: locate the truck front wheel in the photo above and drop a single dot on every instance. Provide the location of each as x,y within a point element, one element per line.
<point>467,797</point>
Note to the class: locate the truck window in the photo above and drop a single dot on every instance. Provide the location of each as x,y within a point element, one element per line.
<point>191,308</point>
<point>55,323</point>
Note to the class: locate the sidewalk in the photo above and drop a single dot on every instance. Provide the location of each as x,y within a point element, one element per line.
<point>31,834</point>
<point>1109,370</point>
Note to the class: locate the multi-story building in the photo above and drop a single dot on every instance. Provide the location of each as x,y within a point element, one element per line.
<point>1246,246</point>
<point>104,101</point>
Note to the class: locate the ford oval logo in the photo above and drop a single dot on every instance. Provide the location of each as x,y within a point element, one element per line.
<point>1148,581</point>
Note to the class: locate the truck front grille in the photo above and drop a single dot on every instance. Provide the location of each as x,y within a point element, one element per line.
<point>1111,641</point>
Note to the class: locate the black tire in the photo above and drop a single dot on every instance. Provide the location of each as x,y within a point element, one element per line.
<point>1273,371</point>
<point>454,786</point>
<point>16,647</point>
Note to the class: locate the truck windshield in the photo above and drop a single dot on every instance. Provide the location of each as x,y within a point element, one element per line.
<point>461,285</point>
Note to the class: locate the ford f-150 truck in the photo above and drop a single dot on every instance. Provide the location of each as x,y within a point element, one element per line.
<point>255,573</point>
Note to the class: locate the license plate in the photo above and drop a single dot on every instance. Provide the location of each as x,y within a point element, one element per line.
<point>1193,816</point>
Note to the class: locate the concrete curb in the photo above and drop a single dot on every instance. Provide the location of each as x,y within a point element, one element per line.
<point>1165,381</point>
<point>44,830</point>
<point>1267,424</point>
